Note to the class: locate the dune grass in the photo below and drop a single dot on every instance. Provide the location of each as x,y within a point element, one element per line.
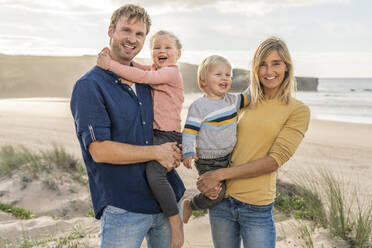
<point>334,205</point>
<point>17,212</point>
<point>32,164</point>
<point>304,235</point>
<point>71,240</point>
<point>302,203</point>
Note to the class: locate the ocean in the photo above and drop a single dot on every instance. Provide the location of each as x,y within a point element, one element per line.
<point>341,99</point>
<point>337,99</point>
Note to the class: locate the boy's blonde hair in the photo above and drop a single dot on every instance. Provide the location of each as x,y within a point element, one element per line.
<point>132,12</point>
<point>206,64</point>
<point>288,86</point>
<point>170,34</point>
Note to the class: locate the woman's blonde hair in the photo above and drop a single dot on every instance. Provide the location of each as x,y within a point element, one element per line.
<point>170,34</point>
<point>206,64</point>
<point>288,86</point>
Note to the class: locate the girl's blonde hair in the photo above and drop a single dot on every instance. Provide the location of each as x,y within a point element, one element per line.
<point>288,86</point>
<point>206,64</point>
<point>170,34</point>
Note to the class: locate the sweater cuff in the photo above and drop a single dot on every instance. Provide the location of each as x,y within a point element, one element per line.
<point>188,155</point>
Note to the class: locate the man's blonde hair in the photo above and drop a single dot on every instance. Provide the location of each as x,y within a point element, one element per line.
<point>170,34</point>
<point>206,64</point>
<point>288,86</point>
<point>133,13</point>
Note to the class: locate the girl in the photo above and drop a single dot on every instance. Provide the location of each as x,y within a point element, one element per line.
<point>166,81</point>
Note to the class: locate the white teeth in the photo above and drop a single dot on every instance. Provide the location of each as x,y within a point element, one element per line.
<point>128,46</point>
<point>270,78</point>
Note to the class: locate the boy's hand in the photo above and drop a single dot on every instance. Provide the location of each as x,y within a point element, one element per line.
<point>103,59</point>
<point>187,161</point>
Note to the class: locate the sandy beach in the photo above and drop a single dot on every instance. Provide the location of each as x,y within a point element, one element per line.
<point>343,148</point>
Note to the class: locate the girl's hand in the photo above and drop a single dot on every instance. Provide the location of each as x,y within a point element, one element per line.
<point>104,58</point>
<point>187,161</point>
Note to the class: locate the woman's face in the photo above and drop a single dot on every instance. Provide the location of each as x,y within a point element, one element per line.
<point>271,73</point>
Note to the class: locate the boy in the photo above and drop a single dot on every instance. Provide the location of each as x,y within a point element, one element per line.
<point>211,123</point>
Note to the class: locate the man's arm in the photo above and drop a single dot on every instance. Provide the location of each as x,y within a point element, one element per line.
<point>168,154</point>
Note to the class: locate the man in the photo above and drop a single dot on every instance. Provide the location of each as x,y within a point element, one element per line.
<point>113,120</point>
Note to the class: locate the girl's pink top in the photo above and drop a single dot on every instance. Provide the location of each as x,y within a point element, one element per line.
<point>167,91</point>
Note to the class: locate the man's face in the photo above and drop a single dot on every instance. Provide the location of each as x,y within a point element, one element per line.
<point>127,39</point>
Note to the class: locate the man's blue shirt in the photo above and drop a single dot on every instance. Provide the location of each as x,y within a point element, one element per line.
<point>104,108</point>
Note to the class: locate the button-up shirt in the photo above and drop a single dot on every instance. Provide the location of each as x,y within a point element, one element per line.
<point>104,108</point>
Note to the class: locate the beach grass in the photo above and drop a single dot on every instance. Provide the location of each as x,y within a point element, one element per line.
<point>363,225</point>
<point>70,240</point>
<point>17,212</point>
<point>302,203</point>
<point>33,164</point>
<point>198,213</point>
<point>304,235</point>
<point>332,204</point>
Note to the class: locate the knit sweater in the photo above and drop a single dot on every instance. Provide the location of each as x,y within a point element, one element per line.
<point>167,86</point>
<point>211,124</point>
<point>271,129</point>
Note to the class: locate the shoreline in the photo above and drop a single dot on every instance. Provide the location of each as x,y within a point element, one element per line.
<point>24,105</point>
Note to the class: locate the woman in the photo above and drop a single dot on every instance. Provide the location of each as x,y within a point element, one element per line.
<point>269,132</point>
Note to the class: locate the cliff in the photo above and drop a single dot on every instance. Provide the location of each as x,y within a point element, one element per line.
<point>54,76</point>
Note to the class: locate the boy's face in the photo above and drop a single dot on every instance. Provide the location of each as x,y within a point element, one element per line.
<point>127,39</point>
<point>217,81</point>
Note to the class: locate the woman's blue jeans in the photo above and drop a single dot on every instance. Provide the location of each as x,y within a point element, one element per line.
<point>232,220</point>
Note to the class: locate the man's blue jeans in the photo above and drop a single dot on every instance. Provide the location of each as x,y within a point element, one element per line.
<point>232,220</point>
<point>121,228</point>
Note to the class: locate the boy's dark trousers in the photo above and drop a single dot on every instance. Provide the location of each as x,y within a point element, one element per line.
<point>200,201</point>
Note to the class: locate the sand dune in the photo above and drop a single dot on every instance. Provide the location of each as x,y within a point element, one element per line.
<point>344,148</point>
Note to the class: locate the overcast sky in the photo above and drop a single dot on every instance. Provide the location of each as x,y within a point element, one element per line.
<point>327,38</point>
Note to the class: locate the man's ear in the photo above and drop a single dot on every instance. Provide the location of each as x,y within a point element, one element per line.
<point>110,31</point>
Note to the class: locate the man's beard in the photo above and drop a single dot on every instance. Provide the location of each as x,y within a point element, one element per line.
<point>118,53</point>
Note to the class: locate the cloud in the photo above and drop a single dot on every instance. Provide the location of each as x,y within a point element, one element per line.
<point>64,6</point>
<point>249,7</point>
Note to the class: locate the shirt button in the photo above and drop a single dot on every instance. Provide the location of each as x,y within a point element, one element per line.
<point>144,122</point>
<point>140,103</point>
<point>130,89</point>
<point>146,142</point>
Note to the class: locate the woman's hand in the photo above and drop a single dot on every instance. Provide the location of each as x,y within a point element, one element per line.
<point>209,184</point>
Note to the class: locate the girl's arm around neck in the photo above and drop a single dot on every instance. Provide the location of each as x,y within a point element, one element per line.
<point>165,75</point>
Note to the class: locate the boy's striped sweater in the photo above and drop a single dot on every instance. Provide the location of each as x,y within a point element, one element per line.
<point>211,124</point>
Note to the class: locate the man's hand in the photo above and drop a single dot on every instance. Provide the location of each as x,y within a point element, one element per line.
<point>103,59</point>
<point>187,161</point>
<point>169,155</point>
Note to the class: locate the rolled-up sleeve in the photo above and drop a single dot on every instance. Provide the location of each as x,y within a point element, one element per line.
<point>92,120</point>
<point>291,135</point>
